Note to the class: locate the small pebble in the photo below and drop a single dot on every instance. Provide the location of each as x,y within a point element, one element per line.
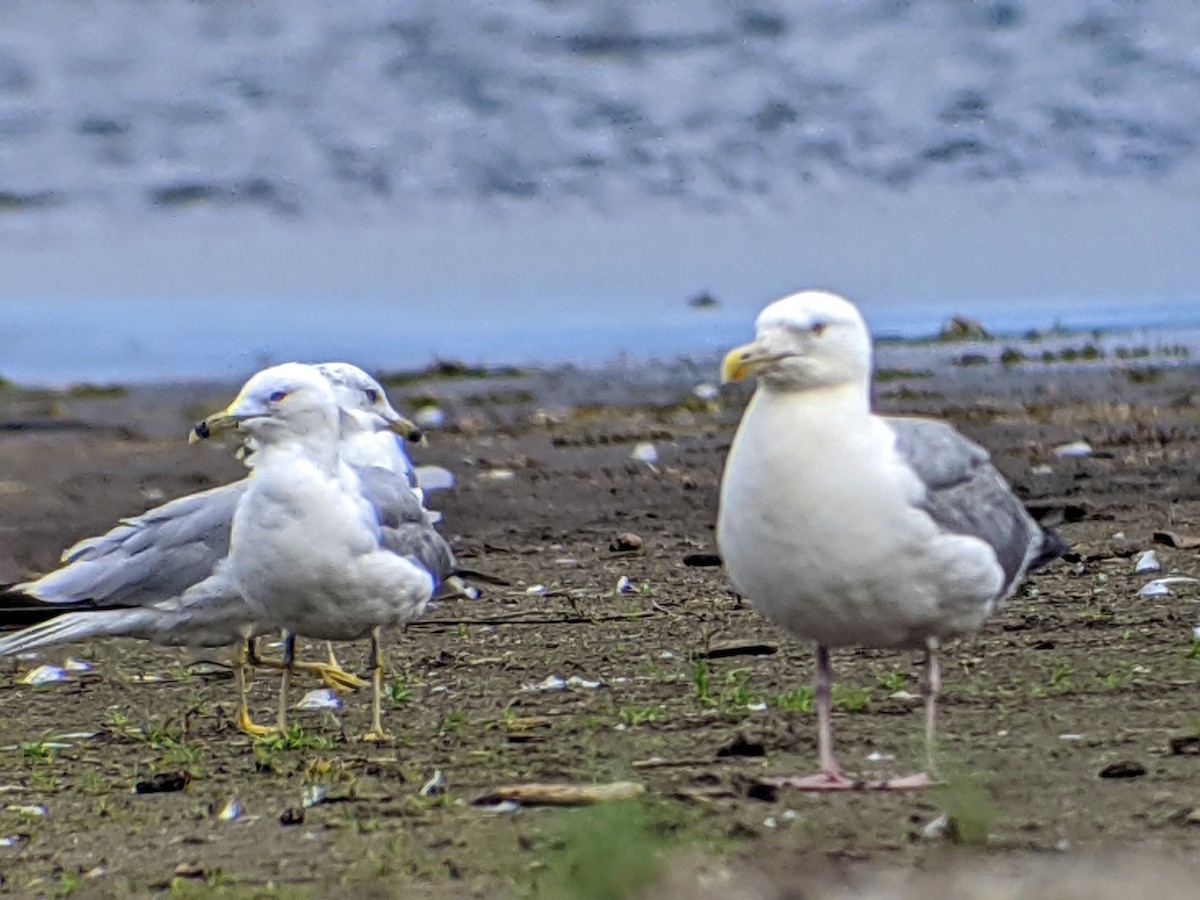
<point>1073,449</point>
<point>430,417</point>
<point>645,452</point>
<point>624,585</point>
<point>625,542</point>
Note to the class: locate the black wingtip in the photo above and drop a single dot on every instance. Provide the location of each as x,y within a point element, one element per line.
<point>1053,546</point>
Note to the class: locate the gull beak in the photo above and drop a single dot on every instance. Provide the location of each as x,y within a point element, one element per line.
<point>748,359</point>
<point>228,419</point>
<point>403,426</point>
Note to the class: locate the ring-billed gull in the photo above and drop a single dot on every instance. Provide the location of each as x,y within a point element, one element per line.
<point>309,553</point>
<point>853,529</point>
<point>160,563</point>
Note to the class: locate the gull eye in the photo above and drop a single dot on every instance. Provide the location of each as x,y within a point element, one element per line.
<point>277,396</point>
<point>817,327</point>
<point>372,395</point>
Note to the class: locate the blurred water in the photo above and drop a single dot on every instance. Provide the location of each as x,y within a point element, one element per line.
<point>193,188</point>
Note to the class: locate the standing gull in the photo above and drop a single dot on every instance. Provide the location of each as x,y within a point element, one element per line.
<point>853,529</point>
<point>155,571</point>
<point>310,553</point>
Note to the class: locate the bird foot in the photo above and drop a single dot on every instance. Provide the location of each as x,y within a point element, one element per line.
<point>377,736</point>
<point>334,676</point>
<point>836,781</point>
<point>246,726</point>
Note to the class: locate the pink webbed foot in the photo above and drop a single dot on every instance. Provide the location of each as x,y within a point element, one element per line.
<point>836,781</point>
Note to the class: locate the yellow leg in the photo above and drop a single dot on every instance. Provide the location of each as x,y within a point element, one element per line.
<point>376,733</point>
<point>243,721</point>
<point>329,672</point>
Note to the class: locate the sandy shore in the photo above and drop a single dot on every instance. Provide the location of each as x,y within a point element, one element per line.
<point>1078,674</point>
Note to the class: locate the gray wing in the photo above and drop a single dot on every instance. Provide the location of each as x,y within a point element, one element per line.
<point>406,528</point>
<point>149,558</point>
<point>964,494</point>
<point>391,495</point>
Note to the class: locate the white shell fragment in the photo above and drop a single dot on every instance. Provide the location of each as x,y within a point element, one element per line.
<point>706,390</point>
<point>876,756</point>
<point>1147,562</point>
<point>504,806</point>
<point>645,452</point>
<point>936,827</point>
<point>76,665</point>
<point>430,417</point>
<point>434,478</point>
<point>536,589</point>
<point>576,682</point>
<point>314,795</point>
<point>624,585</point>
<point>231,810</point>
<point>756,707</point>
<point>549,683</point>
<point>1070,737</point>
<point>1196,633</point>
<point>321,699</point>
<point>435,785</point>
<point>31,811</point>
<point>1073,449</point>
<point>1160,587</point>
<point>44,675</point>
<point>498,474</point>
<point>11,840</point>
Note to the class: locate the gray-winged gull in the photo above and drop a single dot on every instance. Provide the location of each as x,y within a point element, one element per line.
<point>310,553</point>
<point>854,529</point>
<point>160,563</point>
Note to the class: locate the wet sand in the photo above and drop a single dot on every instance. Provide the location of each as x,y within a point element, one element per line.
<point>1077,675</point>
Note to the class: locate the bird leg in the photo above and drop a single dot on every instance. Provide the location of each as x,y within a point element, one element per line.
<point>289,661</point>
<point>243,658</point>
<point>376,733</point>
<point>329,672</point>
<point>831,777</point>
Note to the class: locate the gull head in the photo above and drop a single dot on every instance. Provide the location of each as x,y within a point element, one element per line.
<point>808,340</point>
<point>364,403</point>
<point>285,402</point>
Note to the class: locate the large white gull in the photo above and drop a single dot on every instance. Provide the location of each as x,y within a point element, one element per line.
<point>854,529</point>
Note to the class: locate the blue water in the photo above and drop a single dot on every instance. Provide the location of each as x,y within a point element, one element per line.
<point>194,190</point>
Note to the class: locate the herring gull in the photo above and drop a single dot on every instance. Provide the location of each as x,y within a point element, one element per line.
<point>310,553</point>
<point>854,529</point>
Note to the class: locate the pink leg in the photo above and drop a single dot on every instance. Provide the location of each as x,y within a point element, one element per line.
<point>831,777</point>
<point>931,687</point>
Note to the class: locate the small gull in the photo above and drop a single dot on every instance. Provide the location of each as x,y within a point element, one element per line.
<point>854,529</point>
<point>310,553</point>
<point>153,571</point>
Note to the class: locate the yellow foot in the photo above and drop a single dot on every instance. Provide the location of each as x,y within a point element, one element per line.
<point>248,727</point>
<point>334,676</point>
<point>377,736</point>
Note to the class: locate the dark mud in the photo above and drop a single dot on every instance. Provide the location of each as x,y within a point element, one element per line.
<point>1077,675</point>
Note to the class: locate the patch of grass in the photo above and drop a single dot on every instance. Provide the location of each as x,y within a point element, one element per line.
<point>1194,653</point>
<point>604,852</point>
<point>295,739</point>
<point>968,808</point>
<point>451,722</point>
<point>38,752</point>
<point>640,715</point>
<point>398,691</point>
<point>891,681</point>
<point>851,699</point>
<point>798,700</point>
<point>883,376</point>
<point>700,681</point>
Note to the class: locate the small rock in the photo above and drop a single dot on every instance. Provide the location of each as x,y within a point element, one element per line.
<point>706,391</point>
<point>625,542</point>
<point>44,675</point>
<point>624,585</point>
<point>314,796</point>
<point>1126,768</point>
<point>935,828</point>
<point>164,783</point>
<point>292,816</point>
